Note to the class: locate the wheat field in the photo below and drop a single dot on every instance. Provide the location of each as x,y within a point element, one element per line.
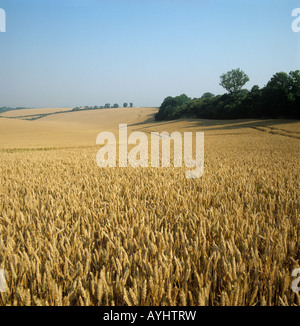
<point>29,113</point>
<point>74,234</point>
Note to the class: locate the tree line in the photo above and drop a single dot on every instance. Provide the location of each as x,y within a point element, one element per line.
<point>280,98</point>
<point>7,108</point>
<point>106,106</point>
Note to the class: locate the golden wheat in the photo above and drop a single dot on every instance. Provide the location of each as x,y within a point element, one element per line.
<point>74,234</point>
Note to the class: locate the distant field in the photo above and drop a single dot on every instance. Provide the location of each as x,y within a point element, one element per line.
<point>82,127</point>
<point>70,129</point>
<point>72,233</point>
<point>32,112</point>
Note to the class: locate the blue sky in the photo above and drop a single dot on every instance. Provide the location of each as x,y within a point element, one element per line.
<point>90,52</point>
